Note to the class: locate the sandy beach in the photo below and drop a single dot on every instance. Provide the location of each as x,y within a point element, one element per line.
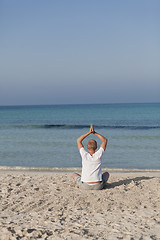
<point>48,205</point>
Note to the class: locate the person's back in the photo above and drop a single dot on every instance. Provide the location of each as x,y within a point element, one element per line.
<point>92,177</point>
<point>91,165</point>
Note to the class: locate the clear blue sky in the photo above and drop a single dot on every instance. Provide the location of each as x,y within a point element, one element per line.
<point>87,51</point>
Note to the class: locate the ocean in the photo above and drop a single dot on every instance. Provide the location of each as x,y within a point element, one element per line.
<point>45,136</point>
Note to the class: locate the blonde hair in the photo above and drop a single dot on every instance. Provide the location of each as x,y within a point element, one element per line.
<point>92,144</point>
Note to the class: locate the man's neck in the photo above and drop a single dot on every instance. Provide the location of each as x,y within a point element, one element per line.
<point>91,152</point>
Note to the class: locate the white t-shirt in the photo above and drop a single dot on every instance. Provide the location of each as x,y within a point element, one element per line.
<point>91,165</point>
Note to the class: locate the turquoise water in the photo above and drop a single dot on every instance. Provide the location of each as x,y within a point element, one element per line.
<point>45,136</point>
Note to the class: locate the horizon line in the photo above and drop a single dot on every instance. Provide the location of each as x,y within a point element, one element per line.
<point>65,104</point>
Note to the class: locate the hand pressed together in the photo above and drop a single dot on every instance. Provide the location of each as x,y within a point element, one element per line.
<point>91,129</point>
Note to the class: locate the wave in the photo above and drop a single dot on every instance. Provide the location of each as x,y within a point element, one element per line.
<point>71,169</point>
<point>99,126</point>
<point>70,126</point>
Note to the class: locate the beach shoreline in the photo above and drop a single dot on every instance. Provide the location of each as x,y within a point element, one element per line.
<point>72,169</point>
<point>48,205</point>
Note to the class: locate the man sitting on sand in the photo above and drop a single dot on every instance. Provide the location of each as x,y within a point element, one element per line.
<point>92,177</point>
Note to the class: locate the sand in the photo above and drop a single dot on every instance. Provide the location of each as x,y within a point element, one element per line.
<point>48,205</point>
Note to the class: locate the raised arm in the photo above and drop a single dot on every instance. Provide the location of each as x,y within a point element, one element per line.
<point>102,138</point>
<point>82,137</point>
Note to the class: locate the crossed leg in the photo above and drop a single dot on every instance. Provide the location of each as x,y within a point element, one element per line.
<point>105,176</point>
<point>75,175</point>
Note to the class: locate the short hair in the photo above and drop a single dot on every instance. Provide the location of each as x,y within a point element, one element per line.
<point>92,144</point>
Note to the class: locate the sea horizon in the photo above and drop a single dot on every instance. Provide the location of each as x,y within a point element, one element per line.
<point>64,104</point>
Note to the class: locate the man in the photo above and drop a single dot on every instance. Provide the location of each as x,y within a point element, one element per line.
<point>92,177</point>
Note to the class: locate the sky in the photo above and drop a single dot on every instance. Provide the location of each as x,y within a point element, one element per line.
<point>73,52</point>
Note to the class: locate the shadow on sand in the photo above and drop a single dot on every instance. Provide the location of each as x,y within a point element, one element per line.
<point>126,182</point>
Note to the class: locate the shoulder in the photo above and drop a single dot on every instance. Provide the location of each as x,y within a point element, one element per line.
<point>100,151</point>
<point>82,151</point>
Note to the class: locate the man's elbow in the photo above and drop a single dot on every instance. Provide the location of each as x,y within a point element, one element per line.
<point>105,141</point>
